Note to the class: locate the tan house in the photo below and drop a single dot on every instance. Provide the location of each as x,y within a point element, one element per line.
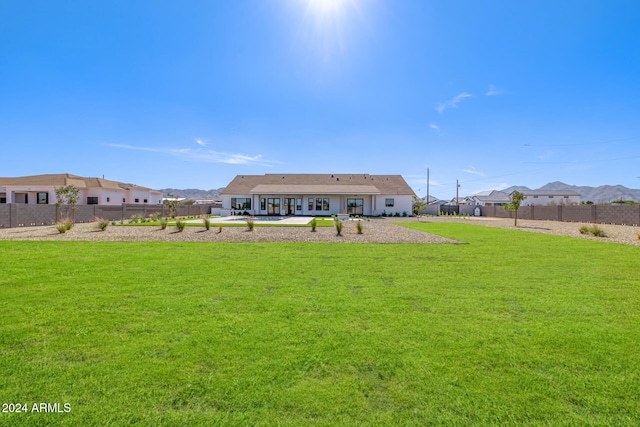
<point>40,189</point>
<point>317,194</point>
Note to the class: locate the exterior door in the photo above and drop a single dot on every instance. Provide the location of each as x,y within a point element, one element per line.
<point>273,206</point>
<point>289,206</point>
<point>355,206</point>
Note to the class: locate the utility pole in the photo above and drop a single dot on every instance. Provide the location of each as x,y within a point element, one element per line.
<point>457,186</point>
<point>427,201</point>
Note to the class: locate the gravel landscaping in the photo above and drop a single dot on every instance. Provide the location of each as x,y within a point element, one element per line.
<point>615,233</point>
<point>377,230</point>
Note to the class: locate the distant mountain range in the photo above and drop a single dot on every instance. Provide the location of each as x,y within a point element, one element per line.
<point>604,193</point>
<point>193,193</point>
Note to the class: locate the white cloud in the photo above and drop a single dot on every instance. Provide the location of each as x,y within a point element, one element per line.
<point>201,142</point>
<point>202,155</point>
<point>434,127</point>
<point>494,91</point>
<point>472,170</point>
<point>452,103</point>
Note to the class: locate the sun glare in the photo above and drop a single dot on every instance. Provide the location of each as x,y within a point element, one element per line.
<point>327,25</point>
<point>324,7</point>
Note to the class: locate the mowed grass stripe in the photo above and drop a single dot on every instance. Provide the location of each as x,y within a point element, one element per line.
<point>511,328</point>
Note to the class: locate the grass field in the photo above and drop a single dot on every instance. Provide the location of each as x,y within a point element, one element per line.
<point>512,328</point>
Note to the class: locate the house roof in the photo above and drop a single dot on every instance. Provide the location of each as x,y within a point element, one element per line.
<point>492,197</point>
<point>318,184</point>
<point>63,179</point>
<point>313,189</point>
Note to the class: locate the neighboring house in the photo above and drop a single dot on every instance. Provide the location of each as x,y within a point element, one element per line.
<point>40,189</point>
<point>489,198</point>
<point>550,197</point>
<point>317,194</point>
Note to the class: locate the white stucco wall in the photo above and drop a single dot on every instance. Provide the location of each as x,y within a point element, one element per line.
<point>401,204</point>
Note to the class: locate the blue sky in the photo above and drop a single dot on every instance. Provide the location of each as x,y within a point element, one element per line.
<point>190,94</point>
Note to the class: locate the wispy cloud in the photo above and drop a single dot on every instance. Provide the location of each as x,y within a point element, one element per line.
<point>452,103</point>
<point>434,127</point>
<point>203,155</point>
<point>201,142</point>
<point>472,170</point>
<point>493,90</point>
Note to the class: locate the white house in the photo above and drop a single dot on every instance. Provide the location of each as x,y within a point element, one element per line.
<point>317,194</point>
<point>550,197</point>
<point>40,189</point>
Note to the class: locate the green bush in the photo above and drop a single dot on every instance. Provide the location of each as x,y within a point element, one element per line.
<point>594,230</point>
<point>180,225</point>
<point>64,225</point>
<point>339,226</point>
<point>206,222</point>
<point>102,223</point>
<point>359,227</point>
<point>313,224</point>
<point>163,223</point>
<point>251,223</point>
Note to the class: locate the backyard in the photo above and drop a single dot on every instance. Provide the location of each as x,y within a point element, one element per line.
<point>510,328</point>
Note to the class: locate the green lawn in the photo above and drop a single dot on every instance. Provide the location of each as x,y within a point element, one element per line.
<point>512,328</point>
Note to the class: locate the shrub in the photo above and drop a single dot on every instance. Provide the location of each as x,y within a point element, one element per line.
<point>338,225</point>
<point>359,227</point>
<point>64,225</point>
<point>638,235</point>
<point>313,224</point>
<point>598,232</point>
<point>180,224</point>
<point>250,223</point>
<point>163,223</point>
<point>219,229</point>
<point>206,222</point>
<point>594,230</point>
<point>102,223</point>
<point>404,214</point>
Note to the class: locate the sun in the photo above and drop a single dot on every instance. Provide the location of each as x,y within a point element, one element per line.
<point>325,7</point>
<point>326,26</point>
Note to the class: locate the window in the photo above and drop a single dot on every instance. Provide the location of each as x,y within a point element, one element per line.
<point>325,204</point>
<point>123,200</point>
<point>535,197</point>
<point>3,200</point>
<point>298,204</point>
<point>566,197</point>
<point>310,203</point>
<point>136,201</point>
<point>318,204</point>
<point>551,197</point>
<point>241,204</point>
<point>145,201</point>
<point>43,198</point>
<point>108,199</point>
<point>263,204</point>
<point>92,200</point>
<point>389,203</point>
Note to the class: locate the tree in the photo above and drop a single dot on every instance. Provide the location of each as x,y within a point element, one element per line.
<point>172,203</point>
<point>418,206</point>
<point>67,195</point>
<point>516,198</point>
